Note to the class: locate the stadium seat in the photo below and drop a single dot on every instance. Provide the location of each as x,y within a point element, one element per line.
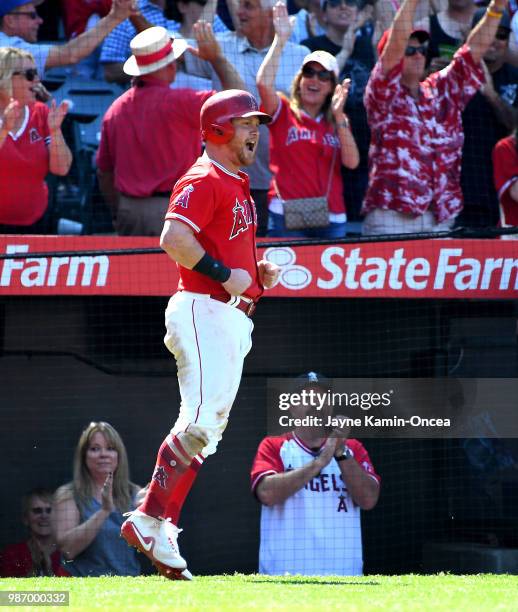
<point>73,195</point>
<point>88,98</point>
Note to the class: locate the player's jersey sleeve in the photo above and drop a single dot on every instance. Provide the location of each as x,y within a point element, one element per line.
<point>193,202</point>
<point>267,460</point>
<point>505,165</point>
<point>362,457</point>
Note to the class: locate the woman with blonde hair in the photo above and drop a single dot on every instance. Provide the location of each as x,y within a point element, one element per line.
<point>31,145</point>
<point>88,512</point>
<point>310,136</point>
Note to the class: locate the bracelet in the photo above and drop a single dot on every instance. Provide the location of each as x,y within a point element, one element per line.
<point>494,14</point>
<point>343,124</point>
<point>212,268</point>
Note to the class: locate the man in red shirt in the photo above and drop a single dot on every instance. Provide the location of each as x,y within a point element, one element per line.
<point>505,168</point>
<point>150,134</point>
<point>210,233</point>
<point>416,126</point>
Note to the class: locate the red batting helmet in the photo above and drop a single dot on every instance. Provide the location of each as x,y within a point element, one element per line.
<point>218,111</point>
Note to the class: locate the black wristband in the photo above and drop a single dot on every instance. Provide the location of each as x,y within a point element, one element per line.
<point>212,268</point>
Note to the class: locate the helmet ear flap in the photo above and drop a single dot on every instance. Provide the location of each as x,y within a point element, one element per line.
<point>220,133</point>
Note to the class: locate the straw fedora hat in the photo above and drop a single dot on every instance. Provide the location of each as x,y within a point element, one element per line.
<point>153,49</point>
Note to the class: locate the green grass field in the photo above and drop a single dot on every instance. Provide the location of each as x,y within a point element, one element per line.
<point>240,592</point>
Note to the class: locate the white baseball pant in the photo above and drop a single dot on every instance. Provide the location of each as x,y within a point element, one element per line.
<point>209,340</point>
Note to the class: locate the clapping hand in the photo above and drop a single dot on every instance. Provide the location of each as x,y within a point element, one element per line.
<point>122,9</point>
<point>339,99</point>
<point>56,115</point>
<point>11,116</point>
<point>107,494</point>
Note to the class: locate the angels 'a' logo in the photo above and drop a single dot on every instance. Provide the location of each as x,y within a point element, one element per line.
<point>244,215</point>
<point>34,135</point>
<point>160,476</point>
<point>183,199</point>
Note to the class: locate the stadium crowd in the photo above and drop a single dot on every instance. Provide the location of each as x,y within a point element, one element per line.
<point>425,132</point>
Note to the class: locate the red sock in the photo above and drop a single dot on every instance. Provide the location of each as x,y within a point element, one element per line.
<point>181,490</point>
<point>172,464</point>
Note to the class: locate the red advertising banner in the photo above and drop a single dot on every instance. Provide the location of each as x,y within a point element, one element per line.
<point>485,269</point>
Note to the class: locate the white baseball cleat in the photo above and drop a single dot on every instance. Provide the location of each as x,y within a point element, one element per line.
<point>156,538</point>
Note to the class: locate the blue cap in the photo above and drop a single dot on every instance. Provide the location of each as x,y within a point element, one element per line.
<point>8,5</point>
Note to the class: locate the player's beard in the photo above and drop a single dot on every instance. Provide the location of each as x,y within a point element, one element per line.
<point>245,156</point>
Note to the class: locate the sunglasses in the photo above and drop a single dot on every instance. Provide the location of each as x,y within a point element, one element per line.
<point>30,74</point>
<point>40,510</point>
<point>31,14</point>
<point>323,75</point>
<point>502,34</point>
<point>410,50</point>
<point>337,3</point>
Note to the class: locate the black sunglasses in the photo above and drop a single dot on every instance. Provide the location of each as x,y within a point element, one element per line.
<point>410,50</point>
<point>323,75</point>
<point>31,14</point>
<point>502,34</point>
<point>30,74</point>
<point>337,3</point>
<point>40,510</point>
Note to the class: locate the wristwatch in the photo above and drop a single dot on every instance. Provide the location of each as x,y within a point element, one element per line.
<point>347,454</point>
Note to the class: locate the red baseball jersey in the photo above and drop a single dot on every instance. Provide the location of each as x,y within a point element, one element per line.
<point>216,204</point>
<point>24,164</point>
<point>301,154</point>
<point>505,172</point>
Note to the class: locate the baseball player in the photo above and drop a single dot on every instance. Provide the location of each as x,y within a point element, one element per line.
<point>210,233</point>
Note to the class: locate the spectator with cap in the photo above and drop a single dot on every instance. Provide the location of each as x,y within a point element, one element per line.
<point>38,555</point>
<point>246,49</point>
<point>19,24</point>
<point>315,108</point>
<point>151,134</point>
<point>489,117</point>
<point>348,36</point>
<point>416,127</point>
<point>505,167</point>
<point>312,483</point>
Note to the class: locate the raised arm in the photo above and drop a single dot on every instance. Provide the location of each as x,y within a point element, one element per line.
<point>268,69</point>
<point>78,48</point>
<point>209,50</point>
<point>72,536</point>
<point>350,155</point>
<point>401,29</point>
<point>483,33</point>
<point>60,156</point>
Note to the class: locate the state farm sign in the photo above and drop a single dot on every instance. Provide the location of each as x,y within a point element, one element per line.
<point>421,269</point>
<point>397,270</point>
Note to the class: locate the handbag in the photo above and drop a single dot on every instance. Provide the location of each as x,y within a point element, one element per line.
<point>305,213</point>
